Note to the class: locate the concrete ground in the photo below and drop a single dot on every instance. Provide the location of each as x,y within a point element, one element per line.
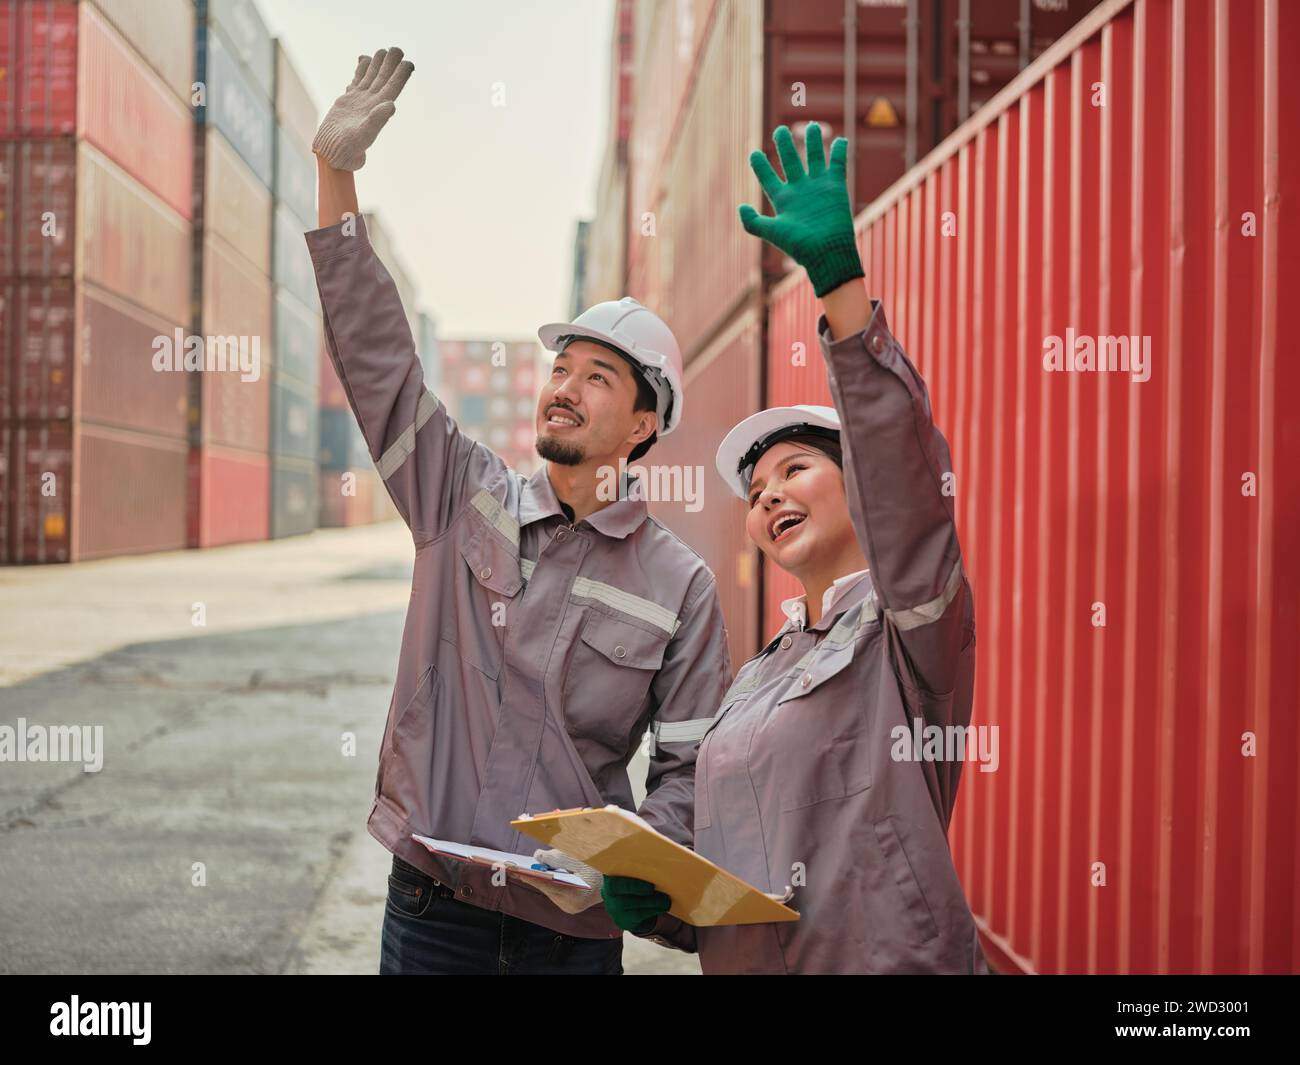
<point>226,831</point>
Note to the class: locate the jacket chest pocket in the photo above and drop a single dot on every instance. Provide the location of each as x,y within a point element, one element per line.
<point>610,670</point>
<point>490,577</point>
<point>821,721</point>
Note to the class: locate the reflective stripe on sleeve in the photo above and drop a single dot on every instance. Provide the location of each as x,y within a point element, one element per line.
<point>485,503</point>
<point>400,449</point>
<point>932,611</point>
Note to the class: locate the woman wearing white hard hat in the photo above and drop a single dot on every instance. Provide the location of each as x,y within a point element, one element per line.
<point>808,783</point>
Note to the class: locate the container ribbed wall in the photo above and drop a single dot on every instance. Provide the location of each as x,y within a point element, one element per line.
<point>1140,179</point>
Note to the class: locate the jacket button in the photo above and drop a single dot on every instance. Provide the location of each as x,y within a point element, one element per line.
<point>467,891</point>
<point>785,643</point>
<point>877,343</point>
<point>485,572</point>
<point>807,679</point>
<point>620,651</point>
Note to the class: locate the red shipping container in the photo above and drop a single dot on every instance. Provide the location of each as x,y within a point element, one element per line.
<point>130,242</point>
<point>124,109</point>
<point>41,492</point>
<point>38,58</point>
<point>229,497</point>
<point>1126,536</point>
<point>129,492</point>
<point>155,30</point>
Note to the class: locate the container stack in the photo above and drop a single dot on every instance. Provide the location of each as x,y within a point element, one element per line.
<point>295,433</point>
<point>490,387</point>
<point>95,127</point>
<point>234,158</point>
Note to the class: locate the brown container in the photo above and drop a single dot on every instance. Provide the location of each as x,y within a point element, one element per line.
<point>124,109</point>
<point>41,359</point>
<point>723,385</point>
<point>229,496</point>
<point>86,353</point>
<point>129,493</point>
<point>129,241</point>
<point>236,205</point>
<point>44,193</point>
<point>6,502</point>
<point>119,386</point>
<point>155,30</point>
<point>41,492</point>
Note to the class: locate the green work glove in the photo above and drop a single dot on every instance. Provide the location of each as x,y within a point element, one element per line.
<point>351,125</point>
<point>633,904</point>
<point>813,223</point>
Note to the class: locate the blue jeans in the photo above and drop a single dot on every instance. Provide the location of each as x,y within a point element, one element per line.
<point>427,930</point>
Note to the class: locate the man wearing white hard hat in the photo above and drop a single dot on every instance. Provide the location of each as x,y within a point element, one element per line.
<point>548,630</point>
<point>806,783</point>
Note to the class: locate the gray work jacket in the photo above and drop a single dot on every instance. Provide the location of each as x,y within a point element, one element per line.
<point>796,780</point>
<point>536,652</point>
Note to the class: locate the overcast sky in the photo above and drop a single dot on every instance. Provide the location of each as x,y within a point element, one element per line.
<point>483,200</point>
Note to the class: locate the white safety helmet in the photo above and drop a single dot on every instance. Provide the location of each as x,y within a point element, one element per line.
<point>741,448</point>
<point>642,336</point>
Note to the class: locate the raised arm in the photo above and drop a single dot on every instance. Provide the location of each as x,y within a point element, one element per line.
<point>897,469</point>
<point>428,466</point>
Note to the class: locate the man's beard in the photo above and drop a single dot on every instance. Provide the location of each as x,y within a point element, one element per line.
<point>558,451</point>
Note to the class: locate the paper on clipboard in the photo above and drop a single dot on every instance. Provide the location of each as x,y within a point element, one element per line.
<point>619,843</point>
<point>521,863</point>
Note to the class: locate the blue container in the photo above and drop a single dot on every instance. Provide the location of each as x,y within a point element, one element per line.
<point>235,105</point>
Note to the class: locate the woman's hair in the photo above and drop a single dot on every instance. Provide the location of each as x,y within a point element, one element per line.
<point>818,443</point>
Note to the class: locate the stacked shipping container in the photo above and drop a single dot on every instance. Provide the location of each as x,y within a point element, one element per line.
<point>295,388</point>
<point>711,78</point>
<point>1124,537</point>
<point>234,155</point>
<point>490,387</point>
<point>95,172</point>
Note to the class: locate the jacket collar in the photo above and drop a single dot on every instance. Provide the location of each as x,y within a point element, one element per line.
<point>617,519</point>
<point>860,591</point>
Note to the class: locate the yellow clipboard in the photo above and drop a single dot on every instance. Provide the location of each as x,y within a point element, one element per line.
<point>619,843</point>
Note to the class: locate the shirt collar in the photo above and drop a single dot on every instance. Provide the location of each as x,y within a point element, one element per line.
<point>617,519</point>
<point>796,607</point>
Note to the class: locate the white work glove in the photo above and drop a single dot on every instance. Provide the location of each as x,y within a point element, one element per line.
<point>569,899</point>
<point>353,123</point>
